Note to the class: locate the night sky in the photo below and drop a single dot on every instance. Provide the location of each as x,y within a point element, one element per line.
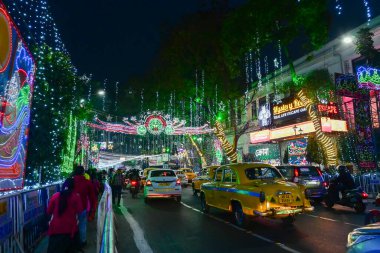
<point>118,39</point>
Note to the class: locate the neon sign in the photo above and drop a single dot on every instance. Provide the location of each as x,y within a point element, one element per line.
<point>369,78</point>
<point>330,108</point>
<point>16,81</point>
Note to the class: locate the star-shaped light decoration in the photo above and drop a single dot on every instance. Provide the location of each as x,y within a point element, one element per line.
<point>167,117</point>
<point>133,118</point>
<point>221,106</point>
<point>109,117</point>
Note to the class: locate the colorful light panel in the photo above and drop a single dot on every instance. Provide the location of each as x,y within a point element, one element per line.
<point>16,85</point>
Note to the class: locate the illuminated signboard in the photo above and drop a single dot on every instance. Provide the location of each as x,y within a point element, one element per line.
<point>332,125</point>
<point>17,70</point>
<point>368,78</point>
<point>328,125</point>
<point>330,108</point>
<point>290,108</point>
<point>260,136</point>
<point>297,152</point>
<point>267,153</point>
<point>265,115</point>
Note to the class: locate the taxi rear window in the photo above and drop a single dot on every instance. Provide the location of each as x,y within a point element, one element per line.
<point>262,173</point>
<point>162,173</point>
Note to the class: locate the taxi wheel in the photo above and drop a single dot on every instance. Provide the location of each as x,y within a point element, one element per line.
<point>146,200</point>
<point>205,208</point>
<point>178,199</point>
<point>239,215</point>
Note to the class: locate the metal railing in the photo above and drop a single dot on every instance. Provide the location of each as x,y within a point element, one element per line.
<point>369,182</point>
<point>23,220</point>
<point>105,239</point>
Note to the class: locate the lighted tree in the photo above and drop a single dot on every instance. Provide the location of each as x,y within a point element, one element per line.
<point>365,46</point>
<point>58,91</point>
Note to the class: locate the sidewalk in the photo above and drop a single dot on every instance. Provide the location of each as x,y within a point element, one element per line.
<point>91,240</point>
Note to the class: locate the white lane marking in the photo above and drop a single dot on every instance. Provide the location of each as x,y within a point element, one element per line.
<point>329,219</point>
<point>138,233</point>
<point>281,245</point>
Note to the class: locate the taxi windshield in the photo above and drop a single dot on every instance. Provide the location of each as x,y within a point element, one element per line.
<point>262,173</point>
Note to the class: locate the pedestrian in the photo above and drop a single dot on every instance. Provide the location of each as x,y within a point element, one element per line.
<point>96,186</point>
<point>86,192</point>
<point>117,185</point>
<point>64,206</point>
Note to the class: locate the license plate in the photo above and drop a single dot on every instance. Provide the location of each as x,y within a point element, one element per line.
<point>163,184</point>
<point>164,190</point>
<point>285,198</point>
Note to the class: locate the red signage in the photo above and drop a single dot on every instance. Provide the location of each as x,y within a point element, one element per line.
<point>330,108</point>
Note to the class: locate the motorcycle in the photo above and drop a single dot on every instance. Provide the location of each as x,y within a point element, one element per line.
<point>351,198</point>
<point>134,189</point>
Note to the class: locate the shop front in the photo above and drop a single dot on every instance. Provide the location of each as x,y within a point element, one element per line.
<point>290,129</point>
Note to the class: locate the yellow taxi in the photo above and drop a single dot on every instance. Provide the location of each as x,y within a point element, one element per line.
<point>145,174</point>
<point>206,175</point>
<point>254,189</point>
<point>189,174</point>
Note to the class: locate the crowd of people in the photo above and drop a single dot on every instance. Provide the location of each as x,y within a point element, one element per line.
<point>71,209</point>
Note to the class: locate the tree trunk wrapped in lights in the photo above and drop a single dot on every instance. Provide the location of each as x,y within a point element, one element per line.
<point>326,142</point>
<point>228,148</point>
<point>200,153</point>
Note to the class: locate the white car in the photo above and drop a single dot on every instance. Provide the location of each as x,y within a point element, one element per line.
<point>162,183</point>
<point>184,180</point>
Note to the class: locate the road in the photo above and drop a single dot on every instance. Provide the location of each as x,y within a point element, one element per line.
<point>165,226</point>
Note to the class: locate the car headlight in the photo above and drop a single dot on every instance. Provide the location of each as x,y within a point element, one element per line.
<point>355,238</point>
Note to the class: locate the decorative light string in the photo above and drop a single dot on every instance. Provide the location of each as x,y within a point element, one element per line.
<point>368,11</point>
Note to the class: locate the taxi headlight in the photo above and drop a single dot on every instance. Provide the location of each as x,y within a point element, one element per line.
<point>355,238</point>
<point>262,197</point>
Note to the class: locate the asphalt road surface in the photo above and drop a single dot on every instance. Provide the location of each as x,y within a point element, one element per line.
<point>165,226</point>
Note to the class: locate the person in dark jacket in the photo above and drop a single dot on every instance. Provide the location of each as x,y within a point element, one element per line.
<point>64,206</point>
<point>85,190</point>
<point>117,182</point>
<point>345,180</point>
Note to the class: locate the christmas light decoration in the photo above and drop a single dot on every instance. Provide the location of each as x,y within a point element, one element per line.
<point>17,70</point>
<point>369,78</point>
<point>69,151</point>
<point>227,147</point>
<point>326,142</point>
<point>154,123</point>
<point>200,153</point>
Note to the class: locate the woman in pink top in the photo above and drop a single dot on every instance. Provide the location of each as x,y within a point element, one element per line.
<point>64,208</point>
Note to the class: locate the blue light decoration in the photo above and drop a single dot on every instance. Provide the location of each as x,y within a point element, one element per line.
<point>368,78</point>
<point>16,86</point>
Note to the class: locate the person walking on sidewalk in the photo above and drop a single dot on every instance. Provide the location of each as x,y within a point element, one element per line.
<point>117,184</point>
<point>64,206</point>
<point>86,192</point>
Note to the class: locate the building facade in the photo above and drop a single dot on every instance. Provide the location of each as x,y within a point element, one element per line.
<point>279,125</point>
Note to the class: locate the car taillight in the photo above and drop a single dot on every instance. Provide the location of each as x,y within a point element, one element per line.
<point>364,195</point>
<point>296,174</point>
<point>319,172</point>
<point>148,183</point>
<point>325,184</point>
<point>178,182</point>
<point>133,183</point>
